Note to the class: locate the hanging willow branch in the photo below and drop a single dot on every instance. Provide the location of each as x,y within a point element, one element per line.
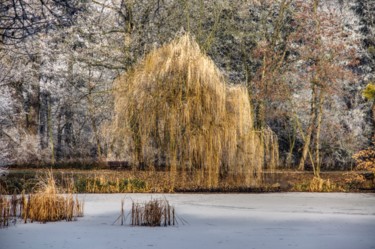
<point>174,110</point>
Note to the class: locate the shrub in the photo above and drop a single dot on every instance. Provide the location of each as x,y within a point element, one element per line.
<point>365,159</point>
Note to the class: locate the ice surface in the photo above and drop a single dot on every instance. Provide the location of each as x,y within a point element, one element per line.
<point>246,221</point>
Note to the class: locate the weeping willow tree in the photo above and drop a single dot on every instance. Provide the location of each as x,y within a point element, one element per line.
<point>174,110</point>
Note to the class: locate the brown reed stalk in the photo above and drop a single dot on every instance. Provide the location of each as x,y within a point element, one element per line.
<point>79,207</point>
<point>48,203</point>
<point>122,214</point>
<point>156,212</point>
<point>4,210</point>
<point>14,205</point>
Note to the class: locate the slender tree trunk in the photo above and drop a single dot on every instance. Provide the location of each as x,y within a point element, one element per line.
<point>129,25</point>
<point>43,120</point>
<point>313,114</point>
<point>187,13</point>
<point>50,131</point>
<point>33,103</point>
<point>318,128</point>
<point>271,64</point>
<point>306,146</point>
<point>33,112</point>
<point>292,142</point>
<point>261,108</point>
<point>93,123</point>
<point>68,129</point>
<point>69,140</point>
<point>92,117</point>
<point>260,115</point>
<point>59,137</point>
<point>310,129</point>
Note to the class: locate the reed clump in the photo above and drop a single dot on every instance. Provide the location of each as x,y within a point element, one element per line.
<point>318,184</point>
<point>48,203</point>
<point>156,212</point>
<point>5,207</point>
<point>175,111</point>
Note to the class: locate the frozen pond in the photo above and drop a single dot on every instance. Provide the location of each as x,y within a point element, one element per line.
<point>246,221</point>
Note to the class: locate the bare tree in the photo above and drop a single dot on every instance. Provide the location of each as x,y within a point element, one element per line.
<point>22,18</point>
<point>323,55</point>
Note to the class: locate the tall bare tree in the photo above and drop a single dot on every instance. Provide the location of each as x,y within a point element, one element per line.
<point>323,54</point>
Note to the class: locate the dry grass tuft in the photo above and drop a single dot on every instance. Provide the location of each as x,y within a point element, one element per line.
<point>5,207</point>
<point>153,213</point>
<point>48,203</point>
<point>175,111</point>
<point>318,184</point>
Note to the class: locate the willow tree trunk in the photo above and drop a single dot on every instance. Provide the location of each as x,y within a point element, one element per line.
<point>261,108</point>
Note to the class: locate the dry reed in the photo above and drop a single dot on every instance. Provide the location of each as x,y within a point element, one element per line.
<point>318,184</point>
<point>46,204</point>
<point>174,110</point>
<point>121,218</point>
<point>5,207</point>
<point>153,213</point>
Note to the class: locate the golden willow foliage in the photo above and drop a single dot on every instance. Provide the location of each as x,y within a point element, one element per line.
<point>174,110</point>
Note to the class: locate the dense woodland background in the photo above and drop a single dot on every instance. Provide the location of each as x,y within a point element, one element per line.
<point>305,64</point>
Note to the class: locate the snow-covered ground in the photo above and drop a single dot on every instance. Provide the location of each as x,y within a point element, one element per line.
<point>246,221</point>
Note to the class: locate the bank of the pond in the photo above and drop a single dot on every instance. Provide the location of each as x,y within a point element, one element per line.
<point>127,181</point>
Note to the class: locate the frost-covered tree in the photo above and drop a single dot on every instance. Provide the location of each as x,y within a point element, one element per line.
<point>58,60</point>
<point>323,53</point>
<point>23,18</point>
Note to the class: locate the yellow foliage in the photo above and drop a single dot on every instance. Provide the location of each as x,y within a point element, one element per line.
<point>365,159</point>
<point>369,92</point>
